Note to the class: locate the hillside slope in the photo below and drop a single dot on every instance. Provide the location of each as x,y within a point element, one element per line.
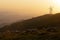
<point>46,27</point>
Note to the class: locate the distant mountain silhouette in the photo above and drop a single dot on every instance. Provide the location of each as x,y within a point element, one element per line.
<point>46,27</point>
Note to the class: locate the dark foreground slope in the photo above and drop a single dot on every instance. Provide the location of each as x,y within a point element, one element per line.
<point>46,27</point>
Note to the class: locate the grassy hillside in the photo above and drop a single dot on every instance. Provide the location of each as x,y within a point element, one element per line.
<point>46,27</point>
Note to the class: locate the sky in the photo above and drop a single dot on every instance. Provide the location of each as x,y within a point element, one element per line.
<point>25,6</point>
<point>37,7</point>
<point>24,9</point>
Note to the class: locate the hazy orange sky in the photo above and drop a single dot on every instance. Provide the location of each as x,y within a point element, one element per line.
<point>29,7</point>
<point>26,6</point>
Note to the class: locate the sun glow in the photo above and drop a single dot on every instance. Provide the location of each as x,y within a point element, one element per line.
<point>56,2</point>
<point>56,5</point>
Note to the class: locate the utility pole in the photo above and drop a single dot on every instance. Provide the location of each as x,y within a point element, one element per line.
<point>50,10</point>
